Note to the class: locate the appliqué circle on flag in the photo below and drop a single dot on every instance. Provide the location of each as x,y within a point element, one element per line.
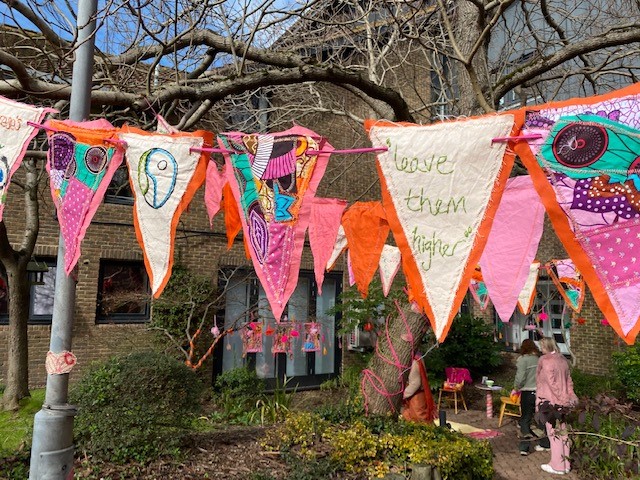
<point>95,159</point>
<point>157,172</point>
<point>4,171</point>
<point>60,363</point>
<point>580,145</point>
<point>62,147</point>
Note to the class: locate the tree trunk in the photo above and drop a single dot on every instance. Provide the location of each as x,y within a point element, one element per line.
<point>383,381</point>
<point>18,359</point>
<point>473,79</point>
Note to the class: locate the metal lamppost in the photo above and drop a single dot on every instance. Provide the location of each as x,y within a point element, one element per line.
<point>52,449</point>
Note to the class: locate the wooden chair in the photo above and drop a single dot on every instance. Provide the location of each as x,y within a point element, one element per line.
<point>454,385</point>
<point>509,407</point>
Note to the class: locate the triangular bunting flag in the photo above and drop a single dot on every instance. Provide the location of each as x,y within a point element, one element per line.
<point>273,177</point>
<point>388,266</point>
<point>441,184</point>
<point>567,279</point>
<point>339,247</point>
<point>528,293</point>
<point>215,181</point>
<point>367,229</point>
<point>232,221</point>
<point>326,214</point>
<point>585,168</point>
<point>81,163</point>
<point>512,244</point>
<point>15,135</point>
<point>164,173</point>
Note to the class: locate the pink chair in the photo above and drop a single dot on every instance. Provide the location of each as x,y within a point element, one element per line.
<point>453,385</point>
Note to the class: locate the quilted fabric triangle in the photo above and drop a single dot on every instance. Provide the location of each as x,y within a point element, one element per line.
<point>586,169</point>
<point>273,177</point>
<point>441,184</point>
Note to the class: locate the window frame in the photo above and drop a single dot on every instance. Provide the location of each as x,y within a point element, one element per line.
<point>122,318</point>
<point>41,319</point>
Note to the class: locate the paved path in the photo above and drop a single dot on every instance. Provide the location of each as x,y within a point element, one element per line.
<point>507,461</point>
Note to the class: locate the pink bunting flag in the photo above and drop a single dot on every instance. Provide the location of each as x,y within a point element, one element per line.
<point>215,181</point>
<point>15,135</point>
<point>81,163</point>
<point>512,244</point>
<point>323,232</point>
<point>273,180</point>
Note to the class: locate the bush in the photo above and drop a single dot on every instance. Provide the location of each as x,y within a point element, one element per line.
<point>469,344</point>
<point>589,385</point>
<point>627,367</point>
<point>237,393</point>
<point>135,407</point>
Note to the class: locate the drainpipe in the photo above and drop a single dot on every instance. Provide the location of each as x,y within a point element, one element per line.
<point>52,448</point>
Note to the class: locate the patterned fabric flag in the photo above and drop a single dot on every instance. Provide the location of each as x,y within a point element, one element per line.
<point>81,163</point>
<point>585,168</point>
<point>512,244</point>
<point>15,136</point>
<point>388,266</point>
<point>528,292</point>
<point>441,184</point>
<point>367,229</point>
<point>479,293</point>
<point>273,178</point>
<point>326,214</point>
<point>567,279</point>
<point>164,174</point>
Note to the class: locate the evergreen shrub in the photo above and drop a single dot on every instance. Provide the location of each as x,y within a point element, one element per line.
<point>135,407</point>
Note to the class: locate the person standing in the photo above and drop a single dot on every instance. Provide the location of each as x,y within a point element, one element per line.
<point>417,401</point>
<point>554,385</point>
<point>525,382</point>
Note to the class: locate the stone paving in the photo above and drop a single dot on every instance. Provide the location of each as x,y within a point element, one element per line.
<point>507,461</point>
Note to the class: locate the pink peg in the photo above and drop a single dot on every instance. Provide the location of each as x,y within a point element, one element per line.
<point>37,125</point>
<point>349,150</point>
<point>209,150</point>
<point>529,136</point>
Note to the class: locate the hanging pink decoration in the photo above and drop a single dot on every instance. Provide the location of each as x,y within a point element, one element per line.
<point>81,163</point>
<point>252,338</point>
<point>543,316</point>
<point>213,186</point>
<point>311,337</point>
<point>604,321</point>
<point>512,244</point>
<point>282,339</point>
<point>326,214</point>
<point>273,179</point>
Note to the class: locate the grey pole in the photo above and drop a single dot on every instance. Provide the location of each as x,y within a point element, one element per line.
<point>52,447</point>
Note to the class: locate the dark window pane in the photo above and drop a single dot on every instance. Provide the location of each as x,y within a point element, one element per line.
<point>119,190</point>
<point>41,305</point>
<point>123,294</point>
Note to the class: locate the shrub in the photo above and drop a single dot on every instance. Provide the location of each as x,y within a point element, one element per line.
<point>237,392</point>
<point>605,439</point>
<point>589,385</point>
<point>469,344</point>
<point>135,407</point>
<point>627,367</point>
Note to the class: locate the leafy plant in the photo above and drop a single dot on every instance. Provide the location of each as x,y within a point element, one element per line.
<point>589,385</point>
<point>605,439</point>
<point>469,344</point>
<point>627,368</point>
<point>236,392</point>
<point>275,407</point>
<point>135,407</point>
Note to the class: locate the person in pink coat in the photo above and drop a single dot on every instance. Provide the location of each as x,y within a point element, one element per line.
<point>554,385</point>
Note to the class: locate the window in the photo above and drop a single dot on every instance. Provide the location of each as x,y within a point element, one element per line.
<point>123,292</point>
<point>40,295</point>
<point>119,190</point>
<point>246,301</point>
<point>42,292</point>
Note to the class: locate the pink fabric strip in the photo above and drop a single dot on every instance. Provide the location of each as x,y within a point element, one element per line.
<point>215,180</point>
<point>512,244</point>
<point>326,214</point>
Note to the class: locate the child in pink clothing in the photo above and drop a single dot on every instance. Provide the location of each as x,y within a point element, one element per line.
<point>554,385</point>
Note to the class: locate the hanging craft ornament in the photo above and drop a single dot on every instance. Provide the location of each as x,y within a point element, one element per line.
<point>512,244</point>
<point>81,163</point>
<point>528,292</point>
<point>568,281</point>
<point>585,168</point>
<point>252,338</point>
<point>282,338</point>
<point>18,125</point>
<point>441,185</point>
<point>164,173</point>
<point>311,337</point>
<point>273,179</point>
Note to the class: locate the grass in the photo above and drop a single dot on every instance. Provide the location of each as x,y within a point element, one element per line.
<point>16,427</point>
